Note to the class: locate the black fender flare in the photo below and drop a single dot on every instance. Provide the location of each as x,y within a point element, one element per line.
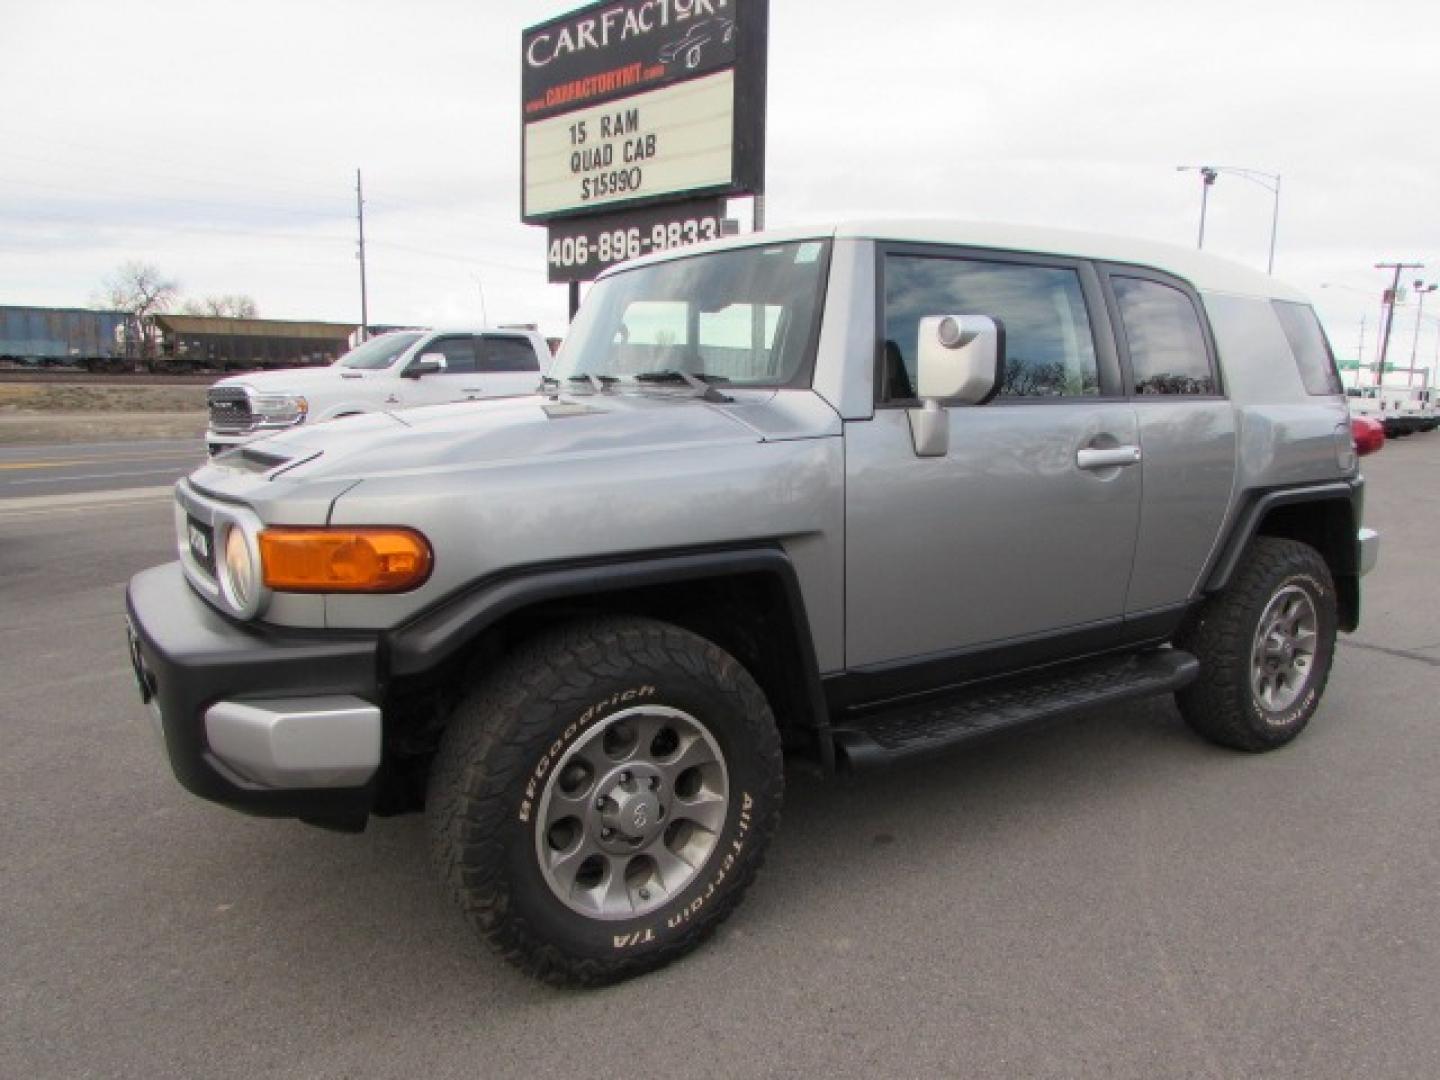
<point>1341,549</point>
<point>1247,524</point>
<point>440,632</point>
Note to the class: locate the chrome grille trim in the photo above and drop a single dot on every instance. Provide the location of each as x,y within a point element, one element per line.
<point>230,411</point>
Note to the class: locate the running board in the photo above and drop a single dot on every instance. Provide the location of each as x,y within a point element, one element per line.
<point>881,738</point>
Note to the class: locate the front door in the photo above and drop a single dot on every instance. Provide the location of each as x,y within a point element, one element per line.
<point>1027,526</point>
<point>458,381</point>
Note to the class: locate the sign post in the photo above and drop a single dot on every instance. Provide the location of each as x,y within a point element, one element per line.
<point>638,118</point>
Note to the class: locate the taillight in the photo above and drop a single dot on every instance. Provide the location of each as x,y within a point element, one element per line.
<point>1369,434</point>
<point>370,559</point>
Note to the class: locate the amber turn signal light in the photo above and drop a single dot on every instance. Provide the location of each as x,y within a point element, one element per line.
<point>372,559</point>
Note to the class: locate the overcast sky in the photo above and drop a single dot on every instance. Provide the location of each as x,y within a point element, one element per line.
<point>220,141</point>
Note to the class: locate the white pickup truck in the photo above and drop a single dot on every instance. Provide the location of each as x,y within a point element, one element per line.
<point>397,370</point>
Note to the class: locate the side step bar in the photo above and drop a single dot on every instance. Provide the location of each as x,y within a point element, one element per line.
<point>881,738</point>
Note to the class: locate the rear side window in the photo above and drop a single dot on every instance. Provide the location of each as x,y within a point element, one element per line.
<point>507,354</point>
<point>1312,351</point>
<point>1167,345</point>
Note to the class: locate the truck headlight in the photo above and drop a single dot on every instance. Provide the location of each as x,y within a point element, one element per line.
<point>280,410</point>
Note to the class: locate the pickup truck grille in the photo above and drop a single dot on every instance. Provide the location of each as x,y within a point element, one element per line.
<point>230,410</point>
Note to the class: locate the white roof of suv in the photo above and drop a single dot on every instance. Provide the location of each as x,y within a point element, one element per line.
<point>1208,273</point>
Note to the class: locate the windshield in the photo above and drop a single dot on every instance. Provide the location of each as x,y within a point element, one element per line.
<point>746,317</point>
<point>378,352</point>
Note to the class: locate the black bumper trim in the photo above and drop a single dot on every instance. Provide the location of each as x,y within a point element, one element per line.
<point>191,656</point>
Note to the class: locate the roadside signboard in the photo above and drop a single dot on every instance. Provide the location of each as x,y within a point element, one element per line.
<point>637,103</point>
<point>579,248</point>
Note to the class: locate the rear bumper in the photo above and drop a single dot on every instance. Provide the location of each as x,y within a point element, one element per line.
<point>1368,550</point>
<point>268,722</point>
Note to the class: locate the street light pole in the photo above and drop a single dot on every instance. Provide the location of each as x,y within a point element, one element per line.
<point>1269,181</point>
<point>1207,180</point>
<point>1274,226</point>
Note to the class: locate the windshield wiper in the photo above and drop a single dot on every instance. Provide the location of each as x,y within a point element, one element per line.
<point>700,382</point>
<point>598,383</point>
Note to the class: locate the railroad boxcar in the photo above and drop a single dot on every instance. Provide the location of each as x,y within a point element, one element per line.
<point>193,342</point>
<point>41,336</point>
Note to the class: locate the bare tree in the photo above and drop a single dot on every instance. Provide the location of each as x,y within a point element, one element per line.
<point>139,289</point>
<point>226,306</point>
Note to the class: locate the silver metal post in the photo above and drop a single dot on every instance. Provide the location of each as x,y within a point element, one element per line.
<point>364,300</point>
<point>1274,225</point>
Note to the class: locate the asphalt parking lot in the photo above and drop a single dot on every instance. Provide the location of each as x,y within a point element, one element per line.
<point>1106,897</point>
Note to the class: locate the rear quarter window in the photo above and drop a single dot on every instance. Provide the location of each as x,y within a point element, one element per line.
<point>1309,347</point>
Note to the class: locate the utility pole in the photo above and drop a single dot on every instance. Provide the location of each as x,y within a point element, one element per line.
<point>1390,295</point>
<point>1360,351</point>
<point>364,301</point>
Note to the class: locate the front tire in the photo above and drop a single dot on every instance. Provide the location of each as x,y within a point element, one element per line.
<point>1265,646</point>
<point>600,803</point>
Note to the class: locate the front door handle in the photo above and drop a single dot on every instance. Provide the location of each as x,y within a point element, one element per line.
<point>1110,457</point>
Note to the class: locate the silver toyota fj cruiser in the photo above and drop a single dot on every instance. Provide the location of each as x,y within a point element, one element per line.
<point>847,494</point>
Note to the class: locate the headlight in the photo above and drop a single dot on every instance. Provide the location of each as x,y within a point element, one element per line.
<point>238,578</point>
<point>278,410</point>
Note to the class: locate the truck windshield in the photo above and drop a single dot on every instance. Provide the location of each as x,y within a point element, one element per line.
<point>745,317</point>
<point>378,352</point>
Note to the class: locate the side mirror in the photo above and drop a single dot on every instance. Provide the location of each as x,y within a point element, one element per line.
<point>961,358</point>
<point>432,363</point>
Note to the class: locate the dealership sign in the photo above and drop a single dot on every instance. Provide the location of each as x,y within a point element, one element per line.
<point>642,102</point>
<point>579,248</point>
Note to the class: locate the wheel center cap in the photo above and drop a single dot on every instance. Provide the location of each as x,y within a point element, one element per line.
<point>632,813</point>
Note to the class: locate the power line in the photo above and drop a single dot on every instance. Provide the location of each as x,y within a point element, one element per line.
<point>149,198</point>
<point>149,157</point>
<point>468,259</point>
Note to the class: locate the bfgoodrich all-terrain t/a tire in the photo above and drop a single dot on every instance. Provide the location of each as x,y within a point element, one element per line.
<point>1265,646</point>
<point>600,802</point>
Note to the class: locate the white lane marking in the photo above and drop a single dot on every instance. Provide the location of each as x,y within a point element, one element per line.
<point>178,469</point>
<point>72,462</point>
<point>81,502</point>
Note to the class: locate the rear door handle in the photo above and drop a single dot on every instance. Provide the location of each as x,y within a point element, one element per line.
<point>1110,457</point>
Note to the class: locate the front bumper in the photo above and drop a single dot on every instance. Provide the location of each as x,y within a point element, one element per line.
<point>267,721</point>
<point>217,442</point>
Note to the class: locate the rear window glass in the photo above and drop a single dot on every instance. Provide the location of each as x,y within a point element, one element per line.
<point>1312,352</point>
<point>1167,345</point>
<point>507,354</point>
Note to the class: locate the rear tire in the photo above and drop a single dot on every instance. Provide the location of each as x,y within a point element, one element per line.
<point>600,803</point>
<point>1265,646</point>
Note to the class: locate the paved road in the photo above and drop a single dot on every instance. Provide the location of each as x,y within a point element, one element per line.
<point>30,471</point>
<point>1108,897</point>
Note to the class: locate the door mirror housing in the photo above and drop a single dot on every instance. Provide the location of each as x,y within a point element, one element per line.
<point>431,363</point>
<point>960,358</point>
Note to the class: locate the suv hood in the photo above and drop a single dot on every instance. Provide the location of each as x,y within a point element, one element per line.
<point>479,434</point>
